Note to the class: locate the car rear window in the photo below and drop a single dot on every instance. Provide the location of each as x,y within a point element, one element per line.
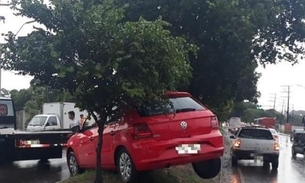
<point>299,137</point>
<point>255,134</point>
<point>6,108</point>
<point>179,104</point>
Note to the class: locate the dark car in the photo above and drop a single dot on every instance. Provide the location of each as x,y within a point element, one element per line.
<point>298,146</point>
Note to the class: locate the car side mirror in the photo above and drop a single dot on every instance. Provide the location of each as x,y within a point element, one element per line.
<point>232,137</point>
<point>48,124</point>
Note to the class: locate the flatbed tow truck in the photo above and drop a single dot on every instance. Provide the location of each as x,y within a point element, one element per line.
<point>22,145</point>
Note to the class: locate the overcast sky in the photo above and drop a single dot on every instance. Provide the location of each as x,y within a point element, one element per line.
<point>272,82</point>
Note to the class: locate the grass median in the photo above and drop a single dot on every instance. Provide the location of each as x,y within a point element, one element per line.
<point>178,174</point>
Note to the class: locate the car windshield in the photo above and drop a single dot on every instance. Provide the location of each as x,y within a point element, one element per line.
<point>178,105</point>
<point>255,134</point>
<point>38,121</point>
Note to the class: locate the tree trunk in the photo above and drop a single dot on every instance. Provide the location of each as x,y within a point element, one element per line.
<point>98,168</point>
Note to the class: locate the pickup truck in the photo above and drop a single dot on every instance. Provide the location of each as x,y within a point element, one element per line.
<point>44,122</point>
<point>249,143</point>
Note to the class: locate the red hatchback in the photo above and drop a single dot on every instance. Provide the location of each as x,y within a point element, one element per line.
<point>148,139</point>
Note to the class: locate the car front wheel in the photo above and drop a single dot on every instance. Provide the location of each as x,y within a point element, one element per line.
<point>73,164</point>
<point>126,167</point>
<point>207,169</point>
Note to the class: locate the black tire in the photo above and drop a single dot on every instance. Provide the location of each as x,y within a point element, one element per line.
<point>73,164</point>
<point>207,169</point>
<point>293,153</point>
<point>234,161</point>
<point>126,167</point>
<point>266,164</point>
<point>275,165</point>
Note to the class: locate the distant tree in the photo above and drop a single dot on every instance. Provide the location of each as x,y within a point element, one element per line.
<point>107,64</point>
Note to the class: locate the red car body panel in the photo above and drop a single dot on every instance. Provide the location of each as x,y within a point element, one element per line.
<point>155,147</point>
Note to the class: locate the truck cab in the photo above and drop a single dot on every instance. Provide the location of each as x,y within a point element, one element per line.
<point>44,122</point>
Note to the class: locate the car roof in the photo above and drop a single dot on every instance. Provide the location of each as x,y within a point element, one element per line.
<point>255,127</point>
<point>299,131</point>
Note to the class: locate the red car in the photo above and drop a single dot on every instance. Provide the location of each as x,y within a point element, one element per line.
<point>149,138</point>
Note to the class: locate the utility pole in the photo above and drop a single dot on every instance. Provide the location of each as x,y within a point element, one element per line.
<point>288,92</point>
<point>273,100</point>
<point>283,107</point>
<point>288,100</point>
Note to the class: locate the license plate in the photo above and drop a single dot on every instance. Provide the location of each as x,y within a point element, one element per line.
<point>188,149</point>
<point>33,142</point>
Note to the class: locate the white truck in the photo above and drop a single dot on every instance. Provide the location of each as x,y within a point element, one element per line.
<point>252,143</point>
<point>54,117</point>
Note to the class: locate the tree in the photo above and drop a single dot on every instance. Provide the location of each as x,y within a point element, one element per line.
<point>232,36</point>
<point>109,65</point>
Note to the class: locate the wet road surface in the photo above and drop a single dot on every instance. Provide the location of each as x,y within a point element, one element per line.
<point>34,171</point>
<point>289,171</point>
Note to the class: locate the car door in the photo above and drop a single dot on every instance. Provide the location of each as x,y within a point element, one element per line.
<point>110,133</point>
<point>86,147</point>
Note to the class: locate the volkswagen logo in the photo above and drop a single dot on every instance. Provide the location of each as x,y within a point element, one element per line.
<point>183,125</point>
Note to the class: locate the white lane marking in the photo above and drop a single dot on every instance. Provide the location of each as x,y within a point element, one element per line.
<point>241,176</point>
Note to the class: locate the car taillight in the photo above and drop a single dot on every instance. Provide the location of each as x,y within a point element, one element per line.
<point>214,122</point>
<point>236,143</point>
<point>276,146</point>
<point>141,131</point>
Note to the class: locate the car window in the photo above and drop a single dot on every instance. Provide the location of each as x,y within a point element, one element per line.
<point>255,134</point>
<point>52,121</point>
<point>6,108</point>
<point>300,137</point>
<point>178,104</point>
<point>38,121</point>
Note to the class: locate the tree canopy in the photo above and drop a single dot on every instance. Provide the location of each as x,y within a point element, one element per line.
<point>233,37</point>
<point>106,63</point>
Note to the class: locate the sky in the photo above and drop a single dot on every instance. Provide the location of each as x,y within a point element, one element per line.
<point>272,82</point>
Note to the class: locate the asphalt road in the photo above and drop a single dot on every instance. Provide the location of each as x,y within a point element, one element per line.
<point>34,171</point>
<point>289,171</point>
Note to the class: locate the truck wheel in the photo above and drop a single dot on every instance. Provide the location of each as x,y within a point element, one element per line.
<point>234,161</point>
<point>275,165</point>
<point>126,167</point>
<point>73,164</point>
<point>207,169</point>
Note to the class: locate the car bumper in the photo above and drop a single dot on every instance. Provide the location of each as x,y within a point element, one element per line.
<point>249,155</point>
<point>152,154</point>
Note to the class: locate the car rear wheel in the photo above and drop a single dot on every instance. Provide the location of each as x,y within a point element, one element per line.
<point>73,164</point>
<point>234,161</point>
<point>126,167</point>
<point>293,153</point>
<point>275,165</point>
<point>207,169</point>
